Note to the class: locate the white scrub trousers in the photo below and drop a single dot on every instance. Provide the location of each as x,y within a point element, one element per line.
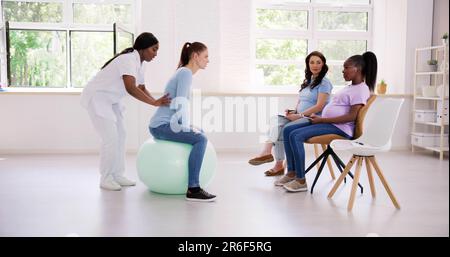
<point>112,150</point>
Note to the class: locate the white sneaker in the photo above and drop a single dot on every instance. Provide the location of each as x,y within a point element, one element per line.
<point>109,184</point>
<point>123,181</point>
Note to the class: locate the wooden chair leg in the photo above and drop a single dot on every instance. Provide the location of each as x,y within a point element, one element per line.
<point>370,176</point>
<point>355,184</point>
<point>330,167</point>
<point>316,153</point>
<point>342,176</point>
<point>383,180</point>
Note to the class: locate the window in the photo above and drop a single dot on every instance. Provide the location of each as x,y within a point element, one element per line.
<point>286,31</point>
<point>122,38</point>
<point>110,13</point>
<point>97,45</point>
<point>2,51</point>
<point>60,43</point>
<point>21,11</point>
<point>37,57</point>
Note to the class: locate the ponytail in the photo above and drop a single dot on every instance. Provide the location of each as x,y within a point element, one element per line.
<point>371,69</point>
<point>125,51</point>
<point>184,58</point>
<point>368,65</point>
<point>187,51</point>
<point>143,41</point>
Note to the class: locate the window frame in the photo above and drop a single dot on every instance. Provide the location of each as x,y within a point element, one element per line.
<point>3,63</point>
<point>116,28</point>
<point>66,25</point>
<point>70,67</point>
<point>312,34</point>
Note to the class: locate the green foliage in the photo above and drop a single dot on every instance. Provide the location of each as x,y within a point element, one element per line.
<point>89,13</point>
<point>90,50</point>
<point>335,75</point>
<point>278,75</point>
<point>432,62</point>
<point>273,50</point>
<point>125,40</point>
<point>281,19</point>
<point>32,11</point>
<point>281,49</point>
<point>345,21</point>
<point>445,36</point>
<point>340,50</point>
<point>38,58</point>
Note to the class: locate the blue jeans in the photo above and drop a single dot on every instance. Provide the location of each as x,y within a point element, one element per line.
<point>296,135</point>
<point>195,138</point>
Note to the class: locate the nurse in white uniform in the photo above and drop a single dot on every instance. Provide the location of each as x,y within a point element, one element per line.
<point>101,97</point>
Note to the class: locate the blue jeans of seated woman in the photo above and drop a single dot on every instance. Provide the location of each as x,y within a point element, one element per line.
<point>195,138</point>
<point>295,136</point>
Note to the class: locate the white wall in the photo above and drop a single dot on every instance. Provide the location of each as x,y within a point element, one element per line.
<point>419,34</point>
<point>236,42</point>
<point>390,27</point>
<point>399,27</point>
<point>440,20</point>
<point>57,123</point>
<point>175,22</point>
<point>224,26</point>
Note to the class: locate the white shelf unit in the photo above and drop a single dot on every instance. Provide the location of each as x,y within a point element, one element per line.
<point>436,105</point>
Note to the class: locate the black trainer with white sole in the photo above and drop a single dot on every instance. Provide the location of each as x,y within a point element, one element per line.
<point>200,196</point>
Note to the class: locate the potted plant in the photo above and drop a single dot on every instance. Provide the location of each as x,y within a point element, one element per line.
<point>433,64</point>
<point>381,88</point>
<point>444,38</point>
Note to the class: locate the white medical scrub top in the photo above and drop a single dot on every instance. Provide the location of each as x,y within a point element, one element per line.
<point>107,86</point>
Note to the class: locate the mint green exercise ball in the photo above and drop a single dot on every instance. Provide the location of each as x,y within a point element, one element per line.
<point>163,166</point>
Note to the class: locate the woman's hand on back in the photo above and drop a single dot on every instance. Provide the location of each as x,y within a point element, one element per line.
<point>164,100</point>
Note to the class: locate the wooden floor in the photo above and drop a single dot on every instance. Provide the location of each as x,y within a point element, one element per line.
<point>58,195</point>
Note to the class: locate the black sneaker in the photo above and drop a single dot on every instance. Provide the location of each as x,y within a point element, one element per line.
<point>200,196</point>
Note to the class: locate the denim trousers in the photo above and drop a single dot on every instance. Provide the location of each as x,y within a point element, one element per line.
<point>294,138</point>
<point>191,136</point>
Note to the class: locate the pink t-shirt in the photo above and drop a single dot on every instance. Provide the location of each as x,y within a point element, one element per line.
<point>341,103</point>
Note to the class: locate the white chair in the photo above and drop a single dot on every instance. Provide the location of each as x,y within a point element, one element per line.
<point>325,141</point>
<point>376,137</point>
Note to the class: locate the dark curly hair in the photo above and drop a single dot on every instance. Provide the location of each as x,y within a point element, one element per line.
<point>308,73</point>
